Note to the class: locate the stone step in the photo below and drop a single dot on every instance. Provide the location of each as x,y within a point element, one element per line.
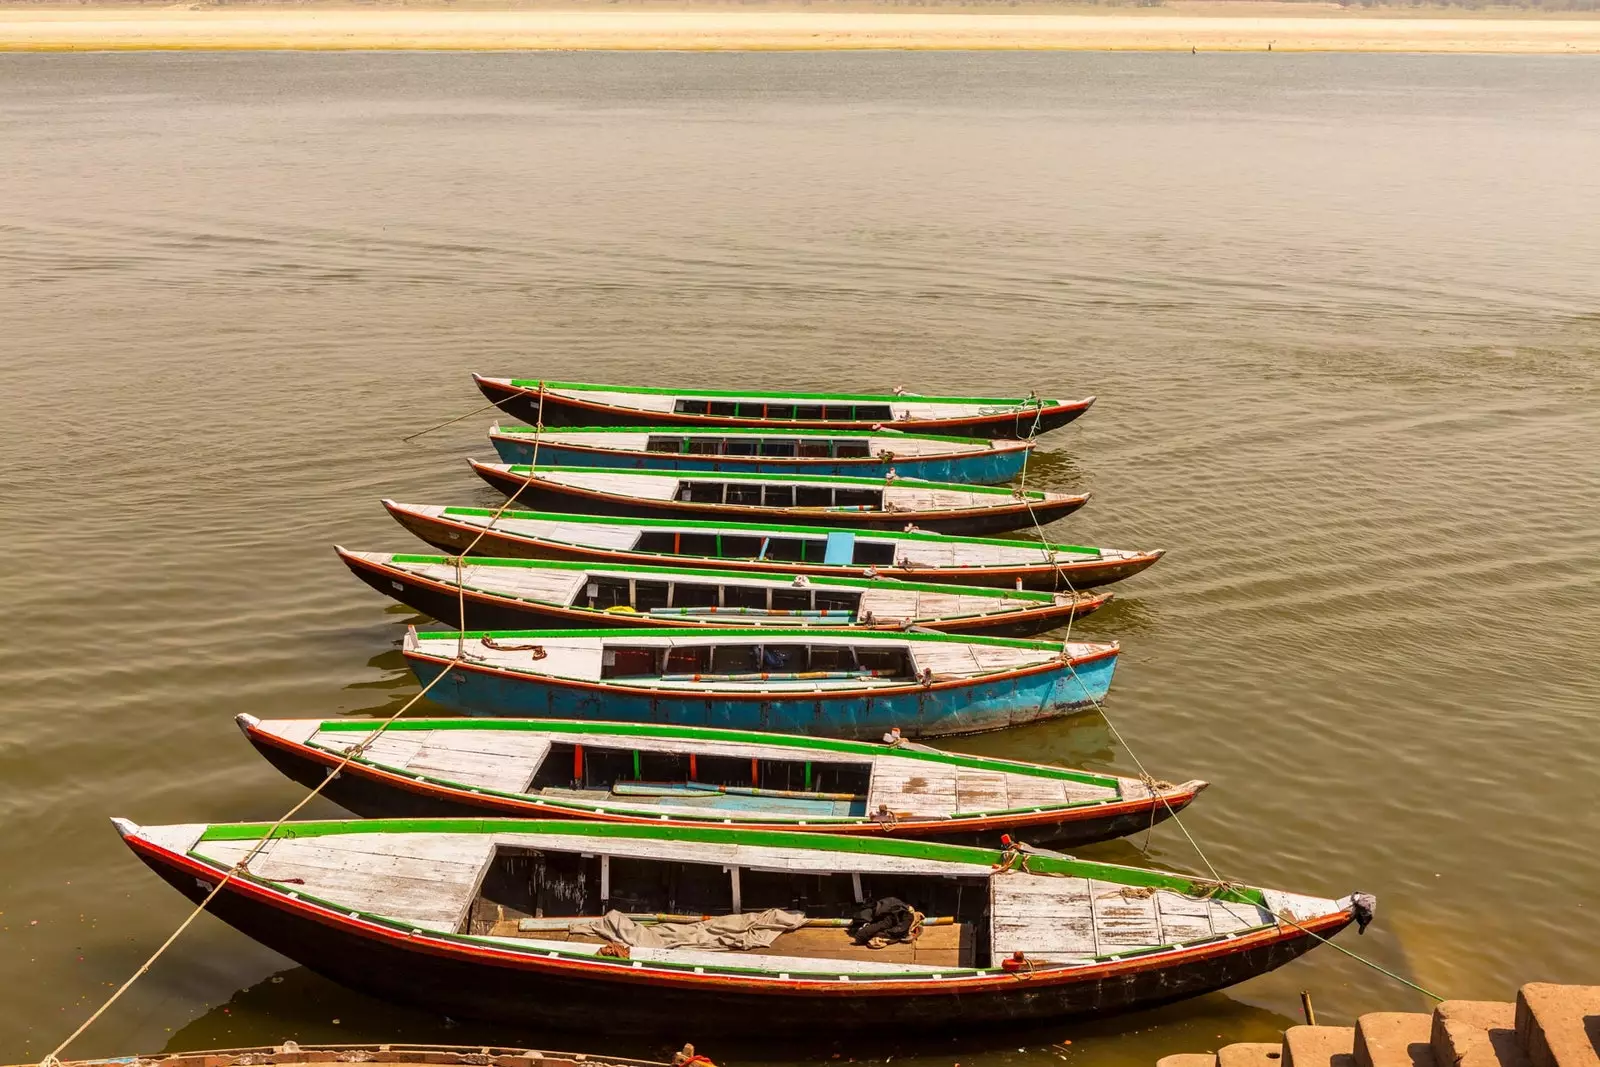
<point>1188,1059</point>
<point>1394,1039</point>
<point>1476,1033</point>
<point>1250,1054</point>
<point>1559,1025</point>
<point>1319,1046</point>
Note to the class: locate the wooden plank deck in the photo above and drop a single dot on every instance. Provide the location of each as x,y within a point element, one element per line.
<point>1062,920</point>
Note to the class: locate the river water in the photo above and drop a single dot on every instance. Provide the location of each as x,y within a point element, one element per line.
<point>1340,313</point>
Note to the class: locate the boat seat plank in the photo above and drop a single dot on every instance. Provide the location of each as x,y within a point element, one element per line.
<point>1184,918</point>
<point>947,658</point>
<point>1125,918</point>
<point>395,750</point>
<point>915,790</point>
<point>522,744</point>
<point>981,791</point>
<point>659,402</point>
<point>434,891</point>
<point>621,536</point>
<point>1024,789</point>
<point>640,486</point>
<point>579,659</point>
<point>1047,918</point>
<point>510,773</point>
<point>990,658</point>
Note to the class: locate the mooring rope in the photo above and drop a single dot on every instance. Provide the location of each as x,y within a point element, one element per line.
<point>1149,779</point>
<point>468,415</point>
<point>53,1057</point>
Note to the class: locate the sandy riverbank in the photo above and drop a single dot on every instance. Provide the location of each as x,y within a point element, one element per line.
<point>262,27</point>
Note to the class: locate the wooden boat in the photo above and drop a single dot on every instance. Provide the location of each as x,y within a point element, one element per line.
<point>824,683</point>
<point>293,1054</point>
<point>687,776</point>
<point>852,503</point>
<point>771,548</point>
<point>584,404</point>
<point>499,594</point>
<point>858,453</point>
<point>548,922</point>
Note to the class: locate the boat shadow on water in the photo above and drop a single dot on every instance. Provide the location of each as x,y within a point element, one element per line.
<point>299,1005</point>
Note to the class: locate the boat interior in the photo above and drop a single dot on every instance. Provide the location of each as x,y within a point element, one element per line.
<point>703,782</point>
<point>841,548</point>
<point>768,661</point>
<point>729,779</point>
<point>530,883</point>
<point>758,494</point>
<point>652,596</point>
<point>541,894</point>
<point>764,409</point>
<point>777,447</point>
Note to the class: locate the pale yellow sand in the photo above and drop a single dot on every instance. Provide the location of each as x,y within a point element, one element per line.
<point>86,29</point>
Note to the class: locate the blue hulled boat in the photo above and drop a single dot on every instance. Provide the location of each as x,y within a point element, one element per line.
<point>862,453</point>
<point>825,683</point>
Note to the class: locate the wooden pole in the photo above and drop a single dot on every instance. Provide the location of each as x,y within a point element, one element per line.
<point>1306,1008</point>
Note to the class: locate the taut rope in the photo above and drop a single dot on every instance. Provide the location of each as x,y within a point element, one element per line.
<point>52,1058</point>
<point>1219,882</point>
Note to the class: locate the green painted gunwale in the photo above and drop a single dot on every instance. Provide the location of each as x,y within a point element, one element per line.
<point>743,576</point>
<point>865,749</point>
<point>774,479</point>
<point>984,859</point>
<point>690,394</point>
<point>750,634</point>
<point>760,431</point>
<point>738,527</point>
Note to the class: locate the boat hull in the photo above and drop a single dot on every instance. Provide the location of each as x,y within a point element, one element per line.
<point>488,612</point>
<point>939,710</point>
<point>490,983</point>
<point>374,793</point>
<point>551,496</point>
<point>558,410</point>
<point>453,537</point>
<point>978,468</point>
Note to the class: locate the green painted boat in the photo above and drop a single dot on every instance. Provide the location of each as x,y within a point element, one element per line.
<point>587,404</point>
<point>663,774</point>
<point>514,594</point>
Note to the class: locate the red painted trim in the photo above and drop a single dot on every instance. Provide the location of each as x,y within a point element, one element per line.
<point>623,971</point>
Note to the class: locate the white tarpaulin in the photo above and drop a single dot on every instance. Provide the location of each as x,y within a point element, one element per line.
<point>756,929</point>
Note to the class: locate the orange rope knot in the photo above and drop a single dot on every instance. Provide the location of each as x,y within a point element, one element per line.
<point>489,642</point>
<point>1018,965</point>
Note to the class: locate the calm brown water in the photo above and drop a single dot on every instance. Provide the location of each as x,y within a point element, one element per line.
<point>1341,314</point>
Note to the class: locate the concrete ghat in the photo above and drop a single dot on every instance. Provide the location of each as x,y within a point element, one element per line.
<point>1548,1026</point>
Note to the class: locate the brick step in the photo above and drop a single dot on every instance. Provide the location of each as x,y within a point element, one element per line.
<point>1319,1046</point>
<point>1395,1039</point>
<point>1559,1025</point>
<point>1250,1054</point>
<point>1476,1033</point>
<point>1188,1059</point>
